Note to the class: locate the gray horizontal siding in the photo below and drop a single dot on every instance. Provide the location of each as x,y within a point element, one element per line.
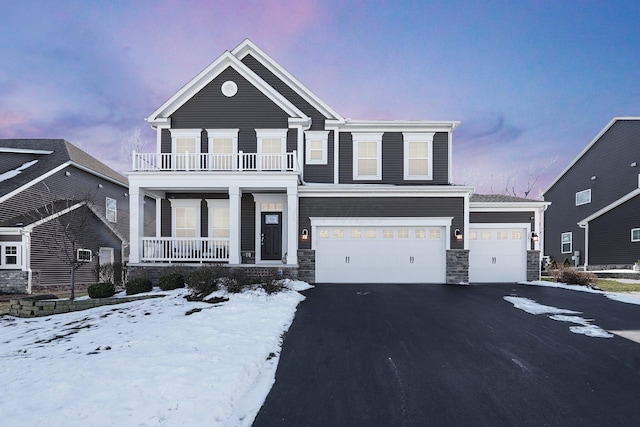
<point>79,185</point>
<point>609,159</point>
<point>381,207</point>
<point>321,173</point>
<point>610,235</point>
<point>54,269</point>
<point>393,160</point>
<point>502,217</point>
<point>317,118</point>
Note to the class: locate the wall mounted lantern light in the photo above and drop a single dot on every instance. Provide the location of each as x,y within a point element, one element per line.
<point>305,234</point>
<point>534,236</point>
<point>458,234</point>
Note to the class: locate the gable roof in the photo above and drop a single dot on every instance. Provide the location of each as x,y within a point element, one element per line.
<point>224,61</point>
<point>247,47</point>
<point>582,153</point>
<point>47,155</point>
<point>610,207</point>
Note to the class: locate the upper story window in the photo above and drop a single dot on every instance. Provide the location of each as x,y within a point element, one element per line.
<point>635,234</point>
<point>185,144</point>
<point>84,255</point>
<point>567,242</point>
<point>111,209</point>
<point>316,147</point>
<point>583,197</point>
<point>10,255</point>
<point>367,156</point>
<point>271,147</point>
<point>223,145</point>
<point>418,155</point>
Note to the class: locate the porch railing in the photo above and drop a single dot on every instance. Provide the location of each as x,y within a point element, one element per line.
<point>184,249</point>
<point>241,161</point>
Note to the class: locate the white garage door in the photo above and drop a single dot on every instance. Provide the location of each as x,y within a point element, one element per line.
<point>497,254</point>
<point>380,254</point>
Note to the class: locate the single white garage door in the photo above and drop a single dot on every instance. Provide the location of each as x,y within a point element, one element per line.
<point>380,254</point>
<point>497,254</point>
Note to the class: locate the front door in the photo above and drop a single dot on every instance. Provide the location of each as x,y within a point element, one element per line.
<point>271,237</point>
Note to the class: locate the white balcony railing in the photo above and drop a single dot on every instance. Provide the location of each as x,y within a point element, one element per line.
<point>184,249</point>
<point>241,162</point>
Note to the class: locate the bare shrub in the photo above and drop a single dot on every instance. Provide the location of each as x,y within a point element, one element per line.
<point>571,276</point>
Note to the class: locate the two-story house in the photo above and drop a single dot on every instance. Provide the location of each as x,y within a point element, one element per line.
<point>253,170</point>
<point>46,184</point>
<point>593,219</point>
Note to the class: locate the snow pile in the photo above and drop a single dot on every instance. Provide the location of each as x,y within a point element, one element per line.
<point>560,314</point>
<point>626,298</point>
<point>146,363</point>
<point>15,172</point>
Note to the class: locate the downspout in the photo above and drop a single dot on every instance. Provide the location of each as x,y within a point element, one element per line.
<point>26,257</point>
<point>585,226</point>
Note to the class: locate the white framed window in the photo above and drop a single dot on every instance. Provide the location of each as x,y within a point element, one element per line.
<point>316,149</point>
<point>418,155</point>
<point>185,217</point>
<point>219,218</point>
<point>271,148</point>
<point>583,197</point>
<point>84,255</point>
<point>567,242</point>
<point>185,145</point>
<point>223,147</point>
<point>10,255</point>
<point>111,209</point>
<point>367,156</point>
<point>635,234</point>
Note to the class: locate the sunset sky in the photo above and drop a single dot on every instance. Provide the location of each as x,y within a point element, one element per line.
<point>533,82</point>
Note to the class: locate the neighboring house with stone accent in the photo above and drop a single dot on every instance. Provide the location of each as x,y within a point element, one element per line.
<point>253,170</point>
<point>41,179</point>
<point>594,216</point>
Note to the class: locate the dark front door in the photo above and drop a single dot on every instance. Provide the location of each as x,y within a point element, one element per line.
<point>271,238</point>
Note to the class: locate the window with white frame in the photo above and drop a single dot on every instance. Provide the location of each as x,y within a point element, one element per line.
<point>418,155</point>
<point>567,242</point>
<point>367,156</point>
<point>185,217</point>
<point>271,147</point>
<point>185,145</point>
<point>635,234</point>
<point>219,219</point>
<point>111,209</point>
<point>583,197</point>
<point>223,147</point>
<point>316,147</point>
<point>84,255</point>
<point>10,255</point>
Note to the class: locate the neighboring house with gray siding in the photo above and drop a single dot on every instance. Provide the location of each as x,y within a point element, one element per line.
<point>43,178</point>
<point>253,170</point>
<point>594,216</point>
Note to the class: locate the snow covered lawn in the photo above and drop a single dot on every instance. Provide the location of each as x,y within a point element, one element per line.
<point>145,363</point>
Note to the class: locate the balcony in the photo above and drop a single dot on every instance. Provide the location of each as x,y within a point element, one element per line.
<point>210,162</point>
<point>185,249</point>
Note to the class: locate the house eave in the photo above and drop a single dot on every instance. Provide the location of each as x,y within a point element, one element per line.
<point>397,126</point>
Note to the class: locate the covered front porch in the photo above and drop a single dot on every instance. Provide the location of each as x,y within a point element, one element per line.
<point>199,219</point>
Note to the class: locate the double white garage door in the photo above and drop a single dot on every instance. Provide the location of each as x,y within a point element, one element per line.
<point>374,253</point>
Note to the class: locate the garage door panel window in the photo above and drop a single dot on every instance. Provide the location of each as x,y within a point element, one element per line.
<point>435,234</point>
<point>516,235</point>
<point>388,233</point>
<point>323,234</point>
<point>421,233</point>
<point>371,233</point>
<point>473,235</point>
<point>338,233</point>
<point>403,233</point>
<point>356,233</point>
<point>486,235</point>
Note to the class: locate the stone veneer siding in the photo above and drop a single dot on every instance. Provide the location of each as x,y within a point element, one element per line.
<point>457,266</point>
<point>533,265</point>
<point>33,307</point>
<point>14,281</point>
<point>256,272</point>
<point>307,265</point>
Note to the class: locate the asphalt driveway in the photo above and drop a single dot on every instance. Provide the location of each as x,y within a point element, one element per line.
<point>436,355</point>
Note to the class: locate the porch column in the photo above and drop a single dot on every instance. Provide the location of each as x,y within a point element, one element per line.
<point>234,225</point>
<point>136,226</point>
<point>292,229</point>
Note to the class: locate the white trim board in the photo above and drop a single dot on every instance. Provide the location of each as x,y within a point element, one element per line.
<point>610,207</point>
